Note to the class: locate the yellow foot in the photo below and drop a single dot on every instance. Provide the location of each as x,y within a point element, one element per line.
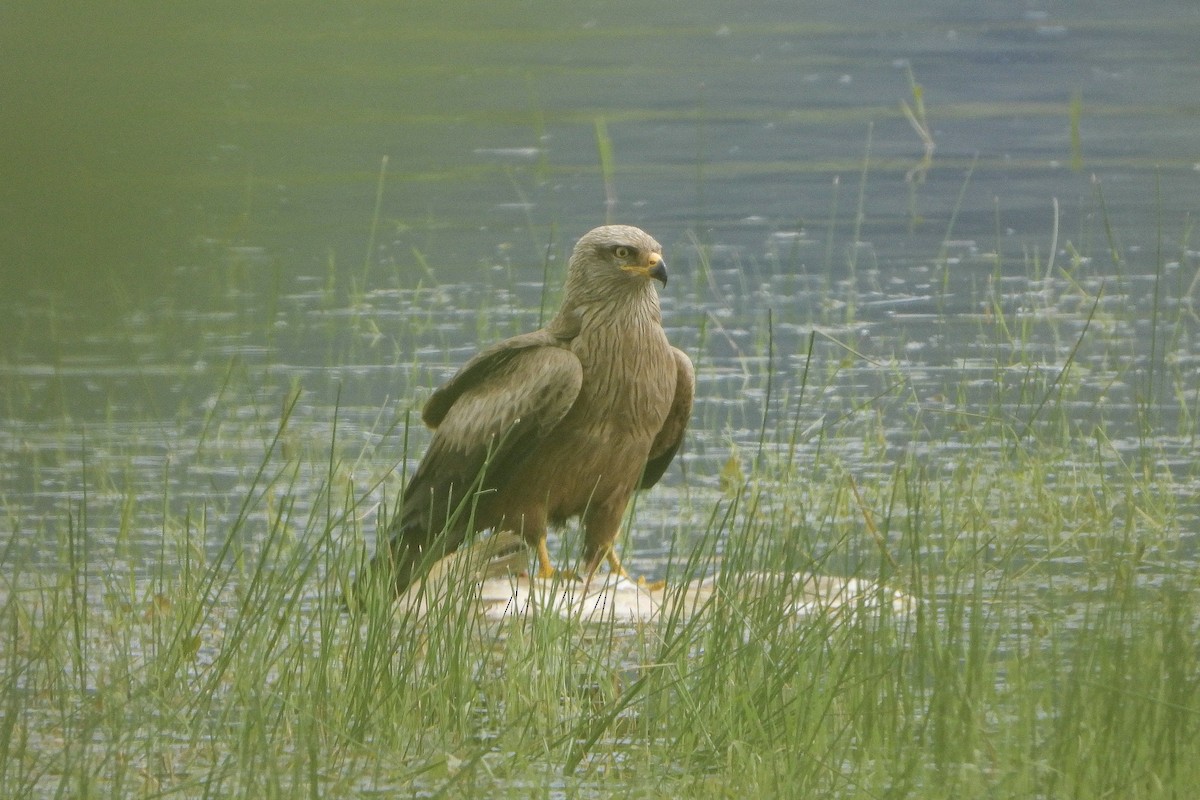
<point>546,570</point>
<point>614,564</point>
<point>651,586</point>
<point>616,568</point>
<point>552,574</point>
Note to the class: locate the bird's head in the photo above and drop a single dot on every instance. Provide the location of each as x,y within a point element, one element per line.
<point>617,255</point>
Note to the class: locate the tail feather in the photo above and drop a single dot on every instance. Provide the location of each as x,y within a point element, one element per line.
<point>434,518</point>
<point>417,578</point>
<point>411,551</point>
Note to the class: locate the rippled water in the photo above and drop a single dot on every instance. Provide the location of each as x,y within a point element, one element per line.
<point>227,232</point>
<point>905,373</point>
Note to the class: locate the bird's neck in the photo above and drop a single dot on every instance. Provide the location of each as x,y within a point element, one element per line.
<point>624,310</point>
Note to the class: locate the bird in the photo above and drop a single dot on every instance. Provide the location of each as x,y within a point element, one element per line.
<point>563,422</point>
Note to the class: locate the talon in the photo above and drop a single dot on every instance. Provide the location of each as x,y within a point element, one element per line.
<point>651,586</point>
<point>546,570</point>
<point>552,574</point>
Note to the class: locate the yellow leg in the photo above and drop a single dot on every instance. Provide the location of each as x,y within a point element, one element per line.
<point>546,570</point>
<point>614,563</point>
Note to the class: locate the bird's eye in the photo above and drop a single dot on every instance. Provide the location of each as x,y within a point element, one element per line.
<point>622,252</point>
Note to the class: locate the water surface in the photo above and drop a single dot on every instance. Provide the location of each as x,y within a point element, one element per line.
<point>205,212</point>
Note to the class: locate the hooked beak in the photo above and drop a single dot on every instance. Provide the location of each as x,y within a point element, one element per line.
<point>654,267</point>
<point>658,269</point>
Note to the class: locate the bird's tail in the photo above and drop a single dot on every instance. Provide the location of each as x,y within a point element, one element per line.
<point>407,553</point>
<point>417,576</point>
<point>434,518</point>
<point>456,577</point>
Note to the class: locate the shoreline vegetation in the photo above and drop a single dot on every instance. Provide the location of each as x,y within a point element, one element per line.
<point>241,675</point>
<point>1047,645</point>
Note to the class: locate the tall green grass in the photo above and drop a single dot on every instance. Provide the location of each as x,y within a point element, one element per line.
<point>233,671</point>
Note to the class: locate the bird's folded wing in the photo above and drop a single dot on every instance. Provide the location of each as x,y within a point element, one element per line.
<point>490,416</point>
<point>670,436</point>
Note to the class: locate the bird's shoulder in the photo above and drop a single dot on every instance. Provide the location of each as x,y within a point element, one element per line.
<point>533,362</point>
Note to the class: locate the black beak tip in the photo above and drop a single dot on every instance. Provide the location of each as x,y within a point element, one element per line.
<point>659,272</point>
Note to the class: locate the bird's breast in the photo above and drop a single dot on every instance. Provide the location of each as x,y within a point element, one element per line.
<point>629,378</point>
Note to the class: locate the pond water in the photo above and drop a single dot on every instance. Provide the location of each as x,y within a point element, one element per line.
<point>205,213</point>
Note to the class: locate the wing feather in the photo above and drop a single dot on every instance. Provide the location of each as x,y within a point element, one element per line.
<point>670,436</point>
<point>488,418</point>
